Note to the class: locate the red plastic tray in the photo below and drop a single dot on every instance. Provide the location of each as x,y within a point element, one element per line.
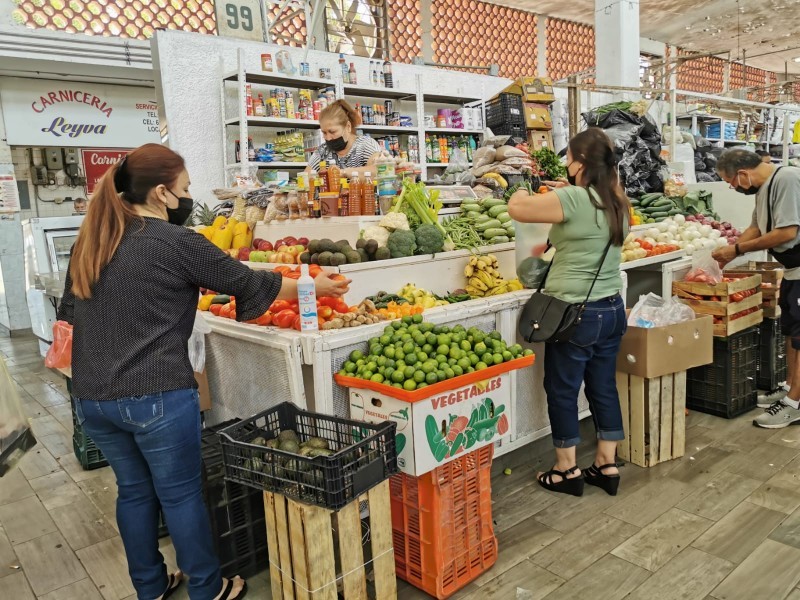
<point>436,388</point>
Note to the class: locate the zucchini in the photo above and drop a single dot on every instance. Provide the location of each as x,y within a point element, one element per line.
<point>493,232</point>
<point>663,202</point>
<point>511,231</point>
<point>499,239</point>
<point>482,218</point>
<point>471,207</point>
<point>474,214</point>
<point>490,224</point>
<point>495,211</point>
<point>658,215</point>
<point>221,299</point>
<point>504,218</point>
<point>488,203</point>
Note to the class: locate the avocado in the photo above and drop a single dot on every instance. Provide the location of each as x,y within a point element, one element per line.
<point>305,257</point>
<point>383,253</point>
<point>313,246</point>
<point>288,434</point>
<point>371,247</point>
<point>343,246</point>
<point>315,259</point>
<point>290,446</point>
<point>361,243</point>
<point>325,258</point>
<point>363,254</point>
<point>353,257</point>
<point>327,245</point>
<point>338,259</point>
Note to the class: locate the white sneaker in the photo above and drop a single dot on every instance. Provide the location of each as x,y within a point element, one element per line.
<point>778,416</point>
<point>767,399</point>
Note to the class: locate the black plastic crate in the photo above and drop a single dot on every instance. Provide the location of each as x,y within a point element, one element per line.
<point>726,387</point>
<point>505,109</point>
<point>771,365</point>
<point>236,512</point>
<point>364,454</point>
<point>86,452</point>
<point>517,132</point>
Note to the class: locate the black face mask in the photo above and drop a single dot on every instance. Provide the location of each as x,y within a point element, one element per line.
<point>337,144</point>
<point>573,179</point>
<point>748,191</point>
<point>179,216</point>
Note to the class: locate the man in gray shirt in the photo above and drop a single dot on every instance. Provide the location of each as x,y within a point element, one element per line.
<point>775,227</point>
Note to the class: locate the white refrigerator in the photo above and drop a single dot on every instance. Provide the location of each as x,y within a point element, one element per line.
<point>47,243</point>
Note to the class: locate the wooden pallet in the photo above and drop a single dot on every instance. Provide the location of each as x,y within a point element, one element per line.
<point>317,554</point>
<point>653,416</point>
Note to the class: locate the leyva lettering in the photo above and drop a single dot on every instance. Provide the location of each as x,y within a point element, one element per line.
<point>71,96</point>
<point>60,127</point>
<point>465,393</point>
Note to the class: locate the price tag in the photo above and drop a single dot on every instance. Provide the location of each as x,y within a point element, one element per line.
<point>240,19</point>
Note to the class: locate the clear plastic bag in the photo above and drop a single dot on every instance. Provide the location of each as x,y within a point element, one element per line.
<point>653,311</point>
<point>16,437</point>
<point>197,343</point>
<point>531,271</point>
<point>704,269</point>
<point>59,356</point>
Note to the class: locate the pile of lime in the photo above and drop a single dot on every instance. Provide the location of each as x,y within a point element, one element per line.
<point>412,354</point>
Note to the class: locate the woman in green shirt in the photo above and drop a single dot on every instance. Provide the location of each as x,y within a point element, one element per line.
<point>585,214</point>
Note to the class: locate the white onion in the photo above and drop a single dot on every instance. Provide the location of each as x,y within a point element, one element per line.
<point>679,219</point>
<point>651,240</point>
<point>715,233</point>
<point>709,244</point>
<point>689,249</point>
<point>705,230</point>
<point>720,242</point>
<point>673,229</point>
<point>651,232</point>
<point>698,244</point>
<point>663,238</point>
<point>662,226</point>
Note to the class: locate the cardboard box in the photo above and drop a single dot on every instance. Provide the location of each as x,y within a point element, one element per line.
<point>427,428</point>
<point>659,351</point>
<point>540,139</point>
<point>533,89</point>
<point>203,391</point>
<point>537,116</point>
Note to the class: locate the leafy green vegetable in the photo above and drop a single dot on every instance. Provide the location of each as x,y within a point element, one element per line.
<point>549,163</point>
<point>402,243</point>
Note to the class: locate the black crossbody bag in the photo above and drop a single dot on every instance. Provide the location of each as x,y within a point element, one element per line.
<point>788,258</point>
<point>548,319</point>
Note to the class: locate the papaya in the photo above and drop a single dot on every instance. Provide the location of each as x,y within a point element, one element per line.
<point>207,232</point>
<point>223,238</point>
<point>219,222</point>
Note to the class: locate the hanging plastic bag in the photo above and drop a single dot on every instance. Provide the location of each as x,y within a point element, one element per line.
<point>59,356</point>
<point>16,437</point>
<point>653,311</point>
<point>704,269</point>
<point>197,343</point>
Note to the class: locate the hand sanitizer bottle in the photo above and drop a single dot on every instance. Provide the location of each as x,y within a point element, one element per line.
<point>307,301</point>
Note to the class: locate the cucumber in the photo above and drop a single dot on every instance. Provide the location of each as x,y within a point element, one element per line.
<point>500,239</point>
<point>490,224</point>
<point>647,201</point>
<point>675,211</point>
<point>221,299</point>
<point>504,218</point>
<point>496,211</point>
<point>482,219</point>
<point>493,232</point>
<point>488,203</point>
<point>662,202</point>
<point>658,215</point>
<point>471,207</point>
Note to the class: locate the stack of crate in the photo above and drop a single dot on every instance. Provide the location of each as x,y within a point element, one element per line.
<point>735,302</point>
<point>771,277</point>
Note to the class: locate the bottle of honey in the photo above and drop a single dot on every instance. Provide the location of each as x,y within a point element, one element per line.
<point>344,198</point>
<point>334,178</point>
<point>355,195</point>
<point>323,175</point>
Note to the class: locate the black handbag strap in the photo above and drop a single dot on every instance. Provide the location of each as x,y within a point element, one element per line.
<point>769,200</point>
<point>596,275</point>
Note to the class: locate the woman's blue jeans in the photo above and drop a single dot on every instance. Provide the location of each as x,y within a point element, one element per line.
<point>590,358</point>
<point>153,445</point>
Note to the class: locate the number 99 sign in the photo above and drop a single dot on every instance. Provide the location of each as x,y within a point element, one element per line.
<point>240,19</point>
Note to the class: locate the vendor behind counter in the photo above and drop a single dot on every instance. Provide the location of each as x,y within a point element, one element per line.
<point>343,146</point>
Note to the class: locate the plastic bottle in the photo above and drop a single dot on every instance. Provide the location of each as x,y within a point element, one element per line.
<point>387,74</point>
<point>316,207</point>
<point>344,198</point>
<point>334,175</point>
<point>355,195</point>
<point>307,301</point>
<point>343,69</point>
<point>323,175</point>
<point>368,196</point>
<point>352,75</point>
<point>373,67</point>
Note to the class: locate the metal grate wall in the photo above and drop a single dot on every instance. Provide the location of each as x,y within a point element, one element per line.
<point>570,48</point>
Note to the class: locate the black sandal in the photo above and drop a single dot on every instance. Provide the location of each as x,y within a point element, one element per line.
<point>172,585</point>
<point>572,486</point>
<point>610,483</point>
<point>226,593</point>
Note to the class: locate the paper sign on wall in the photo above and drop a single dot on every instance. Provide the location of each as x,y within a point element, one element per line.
<point>96,161</point>
<point>41,112</point>
<point>9,194</point>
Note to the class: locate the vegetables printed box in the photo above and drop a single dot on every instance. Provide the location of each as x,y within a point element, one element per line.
<point>433,431</point>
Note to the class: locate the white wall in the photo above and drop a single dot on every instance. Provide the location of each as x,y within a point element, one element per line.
<point>190,101</point>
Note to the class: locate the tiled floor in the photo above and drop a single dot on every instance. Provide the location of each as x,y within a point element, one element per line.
<point>721,523</point>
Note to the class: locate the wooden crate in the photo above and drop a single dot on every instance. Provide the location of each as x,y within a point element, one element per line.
<point>771,278</point>
<point>692,289</point>
<point>653,416</point>
<point>317,554</point>
<point>716,300</point>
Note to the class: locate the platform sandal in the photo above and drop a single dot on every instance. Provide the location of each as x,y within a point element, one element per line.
<point>610,483</point>
<point>573,486</point>
<point>175,581</point>
<point>226,593</point>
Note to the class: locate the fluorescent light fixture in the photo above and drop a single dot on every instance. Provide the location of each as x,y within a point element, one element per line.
<point>796,59</point>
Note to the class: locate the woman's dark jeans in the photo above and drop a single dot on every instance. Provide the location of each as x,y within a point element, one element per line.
<point>590,357</point>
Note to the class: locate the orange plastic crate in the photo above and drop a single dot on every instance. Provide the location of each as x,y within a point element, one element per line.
<point>442,524</point>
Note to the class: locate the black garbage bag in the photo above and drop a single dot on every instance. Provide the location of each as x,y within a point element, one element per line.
<point>613,117</point>
<point>701,142</point>
<point>699,164</point>
<point>707,177</point>
<point>711,161</point>
<point>640,170</point>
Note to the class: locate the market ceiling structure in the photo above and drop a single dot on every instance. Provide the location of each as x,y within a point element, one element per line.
<point>767,32</point>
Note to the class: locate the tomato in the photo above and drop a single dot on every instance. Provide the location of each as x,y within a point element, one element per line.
<point>296,323</point>
<point>265,319</point>
<point>233,314</point>
<point>341,306</point>
<point>314,270</point>
<point>225,311</point>
<point>737,297</point>
<point>325,312</point>
<point>329,301</point>
<point>278,306</point>
<point>214,309</point>
<point>284,318</point>
<point>283,270</point>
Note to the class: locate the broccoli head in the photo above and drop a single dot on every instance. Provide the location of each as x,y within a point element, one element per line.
<point>402,243</point>
<point>429,239</point>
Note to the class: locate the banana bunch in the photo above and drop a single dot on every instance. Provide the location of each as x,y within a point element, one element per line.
<point>484,278</point>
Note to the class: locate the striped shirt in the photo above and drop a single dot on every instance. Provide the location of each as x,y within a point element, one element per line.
<point>359,155</point>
